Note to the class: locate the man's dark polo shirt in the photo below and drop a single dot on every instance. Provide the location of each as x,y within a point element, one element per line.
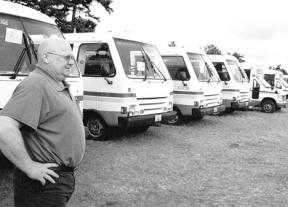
<point>52,124</point>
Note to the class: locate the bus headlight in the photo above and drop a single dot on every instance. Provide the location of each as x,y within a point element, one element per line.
<point>221,100</point>
<point>133,110</point>
<point>170,106</point>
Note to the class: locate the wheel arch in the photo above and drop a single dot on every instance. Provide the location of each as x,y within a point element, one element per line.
<point>268,98</point>
<point>176,108</point>
<point>87,113</point>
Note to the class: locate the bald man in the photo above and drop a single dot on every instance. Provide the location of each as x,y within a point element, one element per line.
<point>41,130</point>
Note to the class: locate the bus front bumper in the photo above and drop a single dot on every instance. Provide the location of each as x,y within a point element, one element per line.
<point>239,105</point>
<point>209,110</point>
<point>282,104</point>
<point>146,120</point>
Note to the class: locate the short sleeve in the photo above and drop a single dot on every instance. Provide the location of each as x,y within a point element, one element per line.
<point>25,105</point>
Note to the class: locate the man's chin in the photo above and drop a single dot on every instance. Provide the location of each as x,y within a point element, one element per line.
<point>67,73</point>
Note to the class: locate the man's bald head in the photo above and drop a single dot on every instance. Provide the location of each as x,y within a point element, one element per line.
<point>54,57</point>
<point>53,44</point>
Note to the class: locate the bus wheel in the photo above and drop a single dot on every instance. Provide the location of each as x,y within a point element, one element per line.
<point>268,106</point>
<point>97,128</point>
<point>178,120</point>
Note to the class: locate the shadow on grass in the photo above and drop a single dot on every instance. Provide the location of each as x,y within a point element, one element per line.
<point>120,134</point>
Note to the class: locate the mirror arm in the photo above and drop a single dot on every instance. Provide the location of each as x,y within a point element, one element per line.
<point>184,84</point>
<point>108,81</point>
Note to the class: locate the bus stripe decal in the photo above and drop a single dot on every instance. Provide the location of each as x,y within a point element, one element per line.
<point>124,95</point>
<point>236,90</point>
<point>188,92</point>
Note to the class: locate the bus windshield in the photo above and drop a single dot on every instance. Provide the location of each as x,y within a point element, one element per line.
<point>270,78</point>
<point>177,68</point>
<point>238,74</point>
<point>202,68</point>
<point>140,60</point>
<point>18,52</point>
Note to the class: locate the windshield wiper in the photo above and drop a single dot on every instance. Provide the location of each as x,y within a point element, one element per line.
<point>242,75</point>
<point>22,55</point>
<point>27,48</point>
<point>209,72</point>
<point>146,61</point>
<point>17,65</point>
<point>152,64</point>
<point>32,46</point>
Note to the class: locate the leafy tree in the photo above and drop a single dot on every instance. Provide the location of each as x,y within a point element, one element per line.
<point>60,9</point>
<point>238,56</point>
<point>212,50</point>
<point>279,68</point>
<point>172,44</point>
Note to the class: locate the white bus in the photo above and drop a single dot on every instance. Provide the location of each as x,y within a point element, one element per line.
<point>19,26</point>
<point>236,90</point>
<point>197,87</point>
<point>126,83</point>
<point>263,95</point>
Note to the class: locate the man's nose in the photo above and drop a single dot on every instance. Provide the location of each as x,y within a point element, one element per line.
<point>71,61</point>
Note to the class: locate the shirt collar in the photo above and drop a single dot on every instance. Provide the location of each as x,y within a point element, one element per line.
<point>58,85</point>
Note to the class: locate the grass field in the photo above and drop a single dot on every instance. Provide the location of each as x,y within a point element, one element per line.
<point>238,159</point>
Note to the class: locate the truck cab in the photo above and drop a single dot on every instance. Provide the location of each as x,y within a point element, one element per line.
<point>263,94</point>
<point>196,85</point>
<point>236,91</point>
<point>126,83</point>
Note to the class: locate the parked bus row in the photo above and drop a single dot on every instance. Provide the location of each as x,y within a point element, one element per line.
<point>122,81</point>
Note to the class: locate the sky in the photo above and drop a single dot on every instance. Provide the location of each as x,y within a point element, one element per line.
<point>256,29</point>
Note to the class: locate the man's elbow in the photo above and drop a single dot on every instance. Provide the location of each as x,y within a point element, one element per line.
<point>7,126</point>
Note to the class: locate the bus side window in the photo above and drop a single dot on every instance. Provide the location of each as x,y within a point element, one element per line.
<point>96,60</point>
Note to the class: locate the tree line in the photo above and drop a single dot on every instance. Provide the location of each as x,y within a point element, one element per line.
<point>82,20</point>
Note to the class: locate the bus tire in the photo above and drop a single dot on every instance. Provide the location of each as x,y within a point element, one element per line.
<point>268,106</point>
<point>178,120</point>
<point>97,128</point>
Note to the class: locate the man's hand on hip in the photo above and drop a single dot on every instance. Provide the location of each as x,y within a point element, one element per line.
<point>41,172</point>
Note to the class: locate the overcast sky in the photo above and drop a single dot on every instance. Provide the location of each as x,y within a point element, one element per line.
<point>257,29</point>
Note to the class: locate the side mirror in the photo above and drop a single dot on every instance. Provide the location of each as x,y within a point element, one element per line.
<point>278,85</point>
<point>256,85</point>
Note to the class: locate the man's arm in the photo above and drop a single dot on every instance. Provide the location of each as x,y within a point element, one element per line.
<point>12,146</point>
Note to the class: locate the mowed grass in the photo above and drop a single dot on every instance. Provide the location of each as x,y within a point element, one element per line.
<point>238,159</point>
